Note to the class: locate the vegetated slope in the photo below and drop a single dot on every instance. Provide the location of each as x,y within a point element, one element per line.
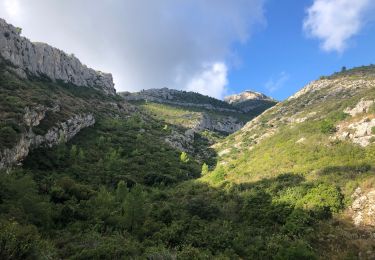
<point>193,117</point>
<point>324,137</point>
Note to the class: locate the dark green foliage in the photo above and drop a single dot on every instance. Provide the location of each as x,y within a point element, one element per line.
<point>22,242</point>
<point>8,137</point>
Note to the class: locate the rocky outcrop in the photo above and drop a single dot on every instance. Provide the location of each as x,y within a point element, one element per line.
<point>359,129</point>
<point>226,125</point>
<point>41,60</point>
<point>363,208</point>
<point>360,132</point>
<point>249,101</point>
<point>61,132</point>
<point>185,141</point>
<point>245,96</point>
<point>363,106</point>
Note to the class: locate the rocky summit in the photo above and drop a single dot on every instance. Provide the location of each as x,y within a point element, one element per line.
<point>245,96</point>
<point>41,60</point>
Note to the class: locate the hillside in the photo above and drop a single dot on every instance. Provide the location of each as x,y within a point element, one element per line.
<point>319,145</point>
<point>195,121</point>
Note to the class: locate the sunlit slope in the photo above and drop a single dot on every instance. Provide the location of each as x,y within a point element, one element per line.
<point>327,124</point>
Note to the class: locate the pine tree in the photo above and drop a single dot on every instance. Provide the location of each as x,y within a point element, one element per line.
<point>184,157</point>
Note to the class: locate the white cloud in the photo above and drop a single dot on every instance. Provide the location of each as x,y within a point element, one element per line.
<point>335,22</point>
<point>12,8</point>
<point>145,44</point>
<point>273,85</point>
<point>211,81</point>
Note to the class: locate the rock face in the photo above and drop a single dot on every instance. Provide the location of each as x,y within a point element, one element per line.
<point>185,141</point>
<point>61,132</point>
<point>250,101</point>
<point>360,132</point>
<point>363,208</point>
<point>362,107</point>
<point>42,60</point>
<point>361,128</point>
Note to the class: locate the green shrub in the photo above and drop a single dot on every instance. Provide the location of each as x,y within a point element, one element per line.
<point>184,157</point>
<point>298,250</point>
<point>327,127</point>
<point>22,242</point>
<point>8,137</point>
<point>323,196</point>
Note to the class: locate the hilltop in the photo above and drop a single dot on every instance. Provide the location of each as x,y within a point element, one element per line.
<point>250,101</point>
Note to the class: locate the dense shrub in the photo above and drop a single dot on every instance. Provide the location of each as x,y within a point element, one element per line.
<point>8,137</point>
<point>327,127</point>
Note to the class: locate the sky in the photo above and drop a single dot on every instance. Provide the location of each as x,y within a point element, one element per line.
<point>214,47</point>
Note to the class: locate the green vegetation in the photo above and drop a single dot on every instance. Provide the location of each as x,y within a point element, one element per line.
<point>8,136</point>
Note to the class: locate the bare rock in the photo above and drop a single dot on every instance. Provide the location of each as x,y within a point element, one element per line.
<point>40,59</point>
<point>363,106</point>
<point>363,208</point>
<point>62,132</point>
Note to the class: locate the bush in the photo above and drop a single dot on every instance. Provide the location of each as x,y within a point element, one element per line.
<point>323,196</point>
<point>22,242</point>
<point>327,127</point>
<point>8,137</point>
<point>299,250</point>
<point>184,157</point>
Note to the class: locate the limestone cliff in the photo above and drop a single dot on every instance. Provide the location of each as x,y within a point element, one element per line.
<point>41,60</point>
<point>61,132</point>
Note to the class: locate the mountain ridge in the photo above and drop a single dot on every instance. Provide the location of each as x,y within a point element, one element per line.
<point>41,60</point>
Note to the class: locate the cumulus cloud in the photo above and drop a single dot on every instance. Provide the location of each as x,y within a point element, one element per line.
<point>273,85</point>
<point>335,22</point>
<point>145,44</point>
<point>211,81</point>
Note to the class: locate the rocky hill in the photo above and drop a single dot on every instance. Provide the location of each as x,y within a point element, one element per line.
<point>321,142</point>
<point>250,101</point>
<point>41,60</point>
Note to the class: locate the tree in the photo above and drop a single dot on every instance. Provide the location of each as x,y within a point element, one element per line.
<point>205,169</point>
<point>184,157</point>
<point>343,69</point>
<point>19,30</point>
<point>121,191</point>
<point>134,209</point>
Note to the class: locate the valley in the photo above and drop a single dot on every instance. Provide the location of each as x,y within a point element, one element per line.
<point>88,173</point>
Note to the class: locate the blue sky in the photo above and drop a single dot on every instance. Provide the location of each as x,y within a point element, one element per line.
<point>283,52</point>
<point>215,47</point>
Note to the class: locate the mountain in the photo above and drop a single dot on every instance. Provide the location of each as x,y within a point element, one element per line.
<point>250,101</point>
<point>87,173</point>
